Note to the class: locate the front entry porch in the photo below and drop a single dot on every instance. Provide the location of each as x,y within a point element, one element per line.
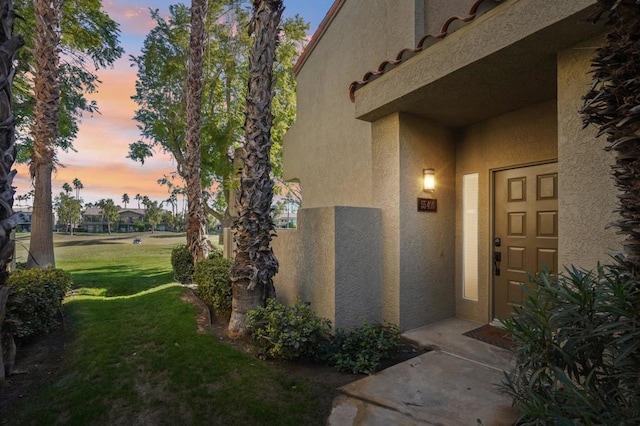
<point>454,384</point>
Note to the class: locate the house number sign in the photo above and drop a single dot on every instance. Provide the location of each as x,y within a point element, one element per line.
<point>427,205</point>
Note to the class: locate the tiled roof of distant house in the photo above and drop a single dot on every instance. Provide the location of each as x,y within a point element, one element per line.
<point>451,25</point>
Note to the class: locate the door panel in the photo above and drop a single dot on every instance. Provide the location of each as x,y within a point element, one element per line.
<point>526,222</point>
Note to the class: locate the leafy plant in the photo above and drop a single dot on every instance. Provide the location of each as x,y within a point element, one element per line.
<point>214,283</point>
<point>577,349</point>
<point>362,349</point>
<point>288,332</point>
<point>215,252</point>
<point>182,263</point>
<point>36,299</point>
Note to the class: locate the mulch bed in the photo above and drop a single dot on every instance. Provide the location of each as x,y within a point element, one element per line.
<point>36,360</point>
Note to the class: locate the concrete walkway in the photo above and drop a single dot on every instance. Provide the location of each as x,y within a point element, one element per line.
<point>452,385</point>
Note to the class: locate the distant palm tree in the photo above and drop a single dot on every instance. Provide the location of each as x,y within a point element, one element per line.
<point>197,221</point>
<point>67,188</point>
<point>78,186</point>
<point>138,198</point>
<point>255,264</point>
<point>125,199</point>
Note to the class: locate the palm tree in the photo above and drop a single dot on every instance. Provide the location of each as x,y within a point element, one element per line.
<point>197,221</point>
<point>255,264</point>
<point>612,104</point>
<point>125,199</point>
<point>45,129</point>
<point>138,198</point>
<point>9,45</point>
<point>78,186</point>
<point>67,188</point>
<point>173,200</point>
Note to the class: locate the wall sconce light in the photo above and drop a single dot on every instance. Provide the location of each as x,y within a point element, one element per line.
<point>429,180</point>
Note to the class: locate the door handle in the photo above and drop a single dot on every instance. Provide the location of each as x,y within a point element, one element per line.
<point>497,258</point>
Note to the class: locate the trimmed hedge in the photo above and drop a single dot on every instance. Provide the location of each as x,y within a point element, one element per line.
<point>214,284</point>
<point>182,264</point>
<point>37,299</point>
<point>288,332</point>
<point>362,349</point>
<point>295,332</point>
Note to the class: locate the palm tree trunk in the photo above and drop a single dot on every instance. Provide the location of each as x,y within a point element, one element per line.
<point>197,221</point>
<point>8,219</point>
<point>255,264</point>
<point>612,105</point>
<point>45,129</point>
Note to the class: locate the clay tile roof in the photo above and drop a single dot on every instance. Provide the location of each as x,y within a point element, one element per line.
<point>452,24</point>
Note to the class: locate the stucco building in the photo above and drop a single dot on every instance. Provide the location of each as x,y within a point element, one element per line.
<point>486,94</point>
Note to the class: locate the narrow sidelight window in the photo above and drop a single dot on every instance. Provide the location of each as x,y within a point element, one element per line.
<point>470,236</point>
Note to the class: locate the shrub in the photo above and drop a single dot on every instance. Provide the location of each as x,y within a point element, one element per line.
<point>182,263</point>
<point>362,349</point>
<point>214,284</point>
<point>216,252</point>
<point>37,298</point>
<point>288,332</point>
<point>578,349</point>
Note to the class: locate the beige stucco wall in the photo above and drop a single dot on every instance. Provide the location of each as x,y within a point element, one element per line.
<point>427,239</point>
<point>588,196</point>
<point>521,137</point>
<point>333,262</point>
<point>436,12</point>
<point>418,247</point>
<point>327,149</point>
<point>484,108</point>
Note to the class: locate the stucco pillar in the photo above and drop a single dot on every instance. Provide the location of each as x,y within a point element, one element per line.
<point>418,247</point>
<point>332,260</point>
<point>587,194</point>
<point>386,194</point>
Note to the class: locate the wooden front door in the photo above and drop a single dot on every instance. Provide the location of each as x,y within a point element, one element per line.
<point>525,231</point>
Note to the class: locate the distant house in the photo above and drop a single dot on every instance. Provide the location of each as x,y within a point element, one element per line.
<point>128,219</point>
<point>93,221</point>
<point>286,220</point>
<point>24,218</point>
<point>484,96</point>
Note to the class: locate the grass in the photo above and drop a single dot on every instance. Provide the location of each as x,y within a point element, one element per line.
<point>135,356</point>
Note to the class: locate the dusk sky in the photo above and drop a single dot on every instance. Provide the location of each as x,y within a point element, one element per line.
<point>103,140</point>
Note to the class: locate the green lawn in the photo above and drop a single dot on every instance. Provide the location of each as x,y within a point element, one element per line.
<point>135,357</point>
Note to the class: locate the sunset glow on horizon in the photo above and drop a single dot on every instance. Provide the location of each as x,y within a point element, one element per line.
<point>103,139</point>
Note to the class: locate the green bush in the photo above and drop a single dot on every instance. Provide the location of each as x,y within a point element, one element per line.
<point>216,252</point>
<point>214,284</point>
<point>362,349</point>
<point>37,298</point>
<point>182,263</point>
<point>577,350</point>
<point>288,332</point>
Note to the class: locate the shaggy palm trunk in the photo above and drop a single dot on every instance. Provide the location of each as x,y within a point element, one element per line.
<point>613,104</point>
<point>255,264</point>
<point>8,219</point>
<point>45,129</point>
<point>197,221</point>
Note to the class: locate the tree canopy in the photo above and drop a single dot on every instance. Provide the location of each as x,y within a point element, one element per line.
<point>160,92</point>
<point>89,41</point>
